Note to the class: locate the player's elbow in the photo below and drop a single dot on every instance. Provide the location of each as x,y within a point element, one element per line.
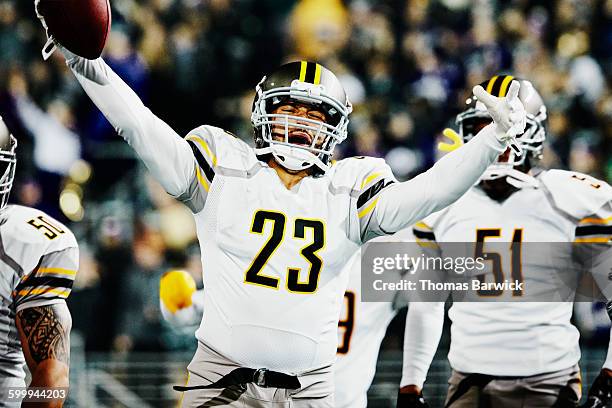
<point>51,373</point>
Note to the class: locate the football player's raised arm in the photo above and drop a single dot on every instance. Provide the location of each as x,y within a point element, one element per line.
<point>44,321</point>
<point>403,204</point>
<point>164,152</point>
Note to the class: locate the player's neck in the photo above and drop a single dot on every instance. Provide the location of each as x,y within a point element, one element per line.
<point>289,179</point>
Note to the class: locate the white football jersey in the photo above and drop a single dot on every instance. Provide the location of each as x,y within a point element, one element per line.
<point>38,263</point>
<point>522,338</point>
<point>361,329</point>
<point>262,304</point>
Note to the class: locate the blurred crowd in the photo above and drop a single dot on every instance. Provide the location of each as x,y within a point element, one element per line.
<point>406,64</point>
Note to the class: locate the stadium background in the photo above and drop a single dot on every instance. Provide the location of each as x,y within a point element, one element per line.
<point>406,65</point>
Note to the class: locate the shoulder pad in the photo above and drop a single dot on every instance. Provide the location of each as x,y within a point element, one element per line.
<point>34,228</point>
<point>577,195</point>
<point>220,147</point>
<point>361,171</point>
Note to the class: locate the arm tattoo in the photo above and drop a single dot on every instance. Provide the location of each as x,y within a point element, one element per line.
<point>47,330</point>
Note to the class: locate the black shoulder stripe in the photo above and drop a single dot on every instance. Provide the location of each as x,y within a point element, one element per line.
<point>594,230</point>
<point>35,281</point>
<point>372,191</point>
<point>424,234</point>
<point>208,171</point>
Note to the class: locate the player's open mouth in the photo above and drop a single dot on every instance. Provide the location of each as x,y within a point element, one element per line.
<point>300,138</point>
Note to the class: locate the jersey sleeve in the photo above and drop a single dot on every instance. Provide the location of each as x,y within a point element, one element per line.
<point>596,228</point>
<point>403,204</point>
<point>593,247</point>
<point>167,156</point>
<point>586,201</point>
<point>423,330</point>
<point>202,142</point>
<point>51,281</point>
<point>375,177</point>
<point>578,196</point>
<point>213,148</point>
<point>425,236</point>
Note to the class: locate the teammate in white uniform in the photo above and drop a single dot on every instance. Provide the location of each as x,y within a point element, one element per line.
<point>277,223</point>
<point>38,263</point>
<point>520,353</point>
<point>361,329</point>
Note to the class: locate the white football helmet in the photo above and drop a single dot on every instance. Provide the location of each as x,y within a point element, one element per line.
<point>476,117</point>
<point>8,162</point>
<point>307,84</point>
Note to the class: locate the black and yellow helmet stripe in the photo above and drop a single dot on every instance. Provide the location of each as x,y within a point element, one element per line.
<point>490,84</point>
<point>505,84</point>
<point>498,85</point>
<point>310,72</point>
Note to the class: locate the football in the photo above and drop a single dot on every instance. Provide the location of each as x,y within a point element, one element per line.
<point>81,26</point>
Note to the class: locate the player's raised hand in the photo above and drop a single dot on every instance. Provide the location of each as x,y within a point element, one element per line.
<point>80,26</point>
<point>508,114</point>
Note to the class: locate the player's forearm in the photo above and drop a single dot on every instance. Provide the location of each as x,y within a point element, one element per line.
<point>424,323</point>
<point>403,204</point>
<point>163,151</point>
<point>49,374</point>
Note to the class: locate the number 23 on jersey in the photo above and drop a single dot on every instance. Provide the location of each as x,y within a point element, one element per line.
<point>254,274</point>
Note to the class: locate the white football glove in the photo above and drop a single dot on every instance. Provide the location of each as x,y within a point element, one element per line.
<point>50,45</point>
<point>508,114</point>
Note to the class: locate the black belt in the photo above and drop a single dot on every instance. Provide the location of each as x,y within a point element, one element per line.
<point>240,376</point>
